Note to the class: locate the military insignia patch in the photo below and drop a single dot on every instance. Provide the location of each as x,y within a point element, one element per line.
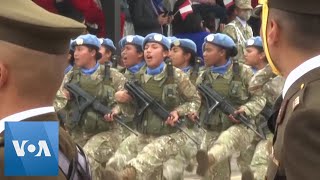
<point>101,40</point>
<point>129,39</point>
<point>250,42</point>
<point>296,102</point>
<point>79,41</point>
<point>157,37</point>
<point>176,43</point>
<point>210,38</point>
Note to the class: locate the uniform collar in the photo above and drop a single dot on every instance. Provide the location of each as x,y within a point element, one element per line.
<point>156,70</point>
<point>91,70</point>
<point>134,69</point>
<point>25,115</point>
<point>221,69</point>
<point>299,71</point>
<point>186,69</point>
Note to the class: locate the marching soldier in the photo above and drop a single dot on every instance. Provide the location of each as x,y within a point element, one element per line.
<point>132,55</point>
<point>231,80</point>
<point>183,56</point>
<point>98,138</point>
<point>107,49</point>
<point>267,84</point>
<point>142,156</point>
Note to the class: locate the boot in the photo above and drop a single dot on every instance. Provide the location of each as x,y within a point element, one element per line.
<point>204,162</point>
<point>129,173</point>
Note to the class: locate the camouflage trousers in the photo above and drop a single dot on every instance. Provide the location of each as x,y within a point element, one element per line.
<point>147,154</point>
<point>174,168</point>
<point>99,148</point>
<point>259,163</point>
<point>235,139</point>
<point>245,157</point>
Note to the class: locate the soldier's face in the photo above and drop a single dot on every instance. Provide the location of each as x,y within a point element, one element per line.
<point>154,54</point>
<point>106,55</point>
<point>130,55</point>
<point>244,14</point>
<point>212,55</point>
<point>178,57</point>
<point>83,56</point>
<point>252,56</point>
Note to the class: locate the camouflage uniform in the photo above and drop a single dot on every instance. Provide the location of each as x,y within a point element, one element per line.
<point>99,139</point>
<point>223,138</point>
<point>157,141</point>
<point>240,34</point>
<point>270,87</point>
<point>174,168</point>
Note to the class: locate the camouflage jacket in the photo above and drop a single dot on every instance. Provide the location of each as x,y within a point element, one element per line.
<point>240,35</point>
<point>266,83</point>
<point>117,78</point>
<point>255,102</point>
<point>186,90</point>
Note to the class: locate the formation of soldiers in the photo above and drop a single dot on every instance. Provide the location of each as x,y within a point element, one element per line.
<point>192,133</point>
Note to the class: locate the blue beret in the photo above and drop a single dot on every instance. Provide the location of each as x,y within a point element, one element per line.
<point>108,43</point>
<point>157,38</point>
<point>186,43</point>
<point>121,42</point>
<point>70,46</point>
<point>254,41</point>
<point>131,39</point>
<point>171,39</point>
<point>221,40</point>
<point>87,39</point>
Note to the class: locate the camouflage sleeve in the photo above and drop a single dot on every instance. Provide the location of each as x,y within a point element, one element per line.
<point>60,100</point>
<point>273,88</point>
<point>200,78</point>
<point>257,101</point>
<point>118,79</point>
<point>230,31</point>
<point>189,94</point>
<point>259,79</point>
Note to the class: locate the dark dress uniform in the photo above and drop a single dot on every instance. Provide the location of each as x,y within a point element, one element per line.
<point>295,154</point>
<point>26,25</point>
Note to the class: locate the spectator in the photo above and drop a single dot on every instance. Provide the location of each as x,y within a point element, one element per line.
<point>190,28</point>
<point>210,8</point>
<point>148,16</point>
<point>92,14</point>
<point>128,28</point>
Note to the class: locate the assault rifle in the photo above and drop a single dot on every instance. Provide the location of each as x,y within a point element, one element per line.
<point>85,100</point>
<point>149,102</point>
<point>215,100</point>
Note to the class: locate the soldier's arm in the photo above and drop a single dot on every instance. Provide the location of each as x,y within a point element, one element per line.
<point>189,93</point>
<point>257,100</point>
<point>61,101</point>
<point>118,79</point>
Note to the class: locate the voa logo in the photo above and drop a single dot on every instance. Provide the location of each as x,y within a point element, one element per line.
<point>31,148</point>
<point>41,148</point>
